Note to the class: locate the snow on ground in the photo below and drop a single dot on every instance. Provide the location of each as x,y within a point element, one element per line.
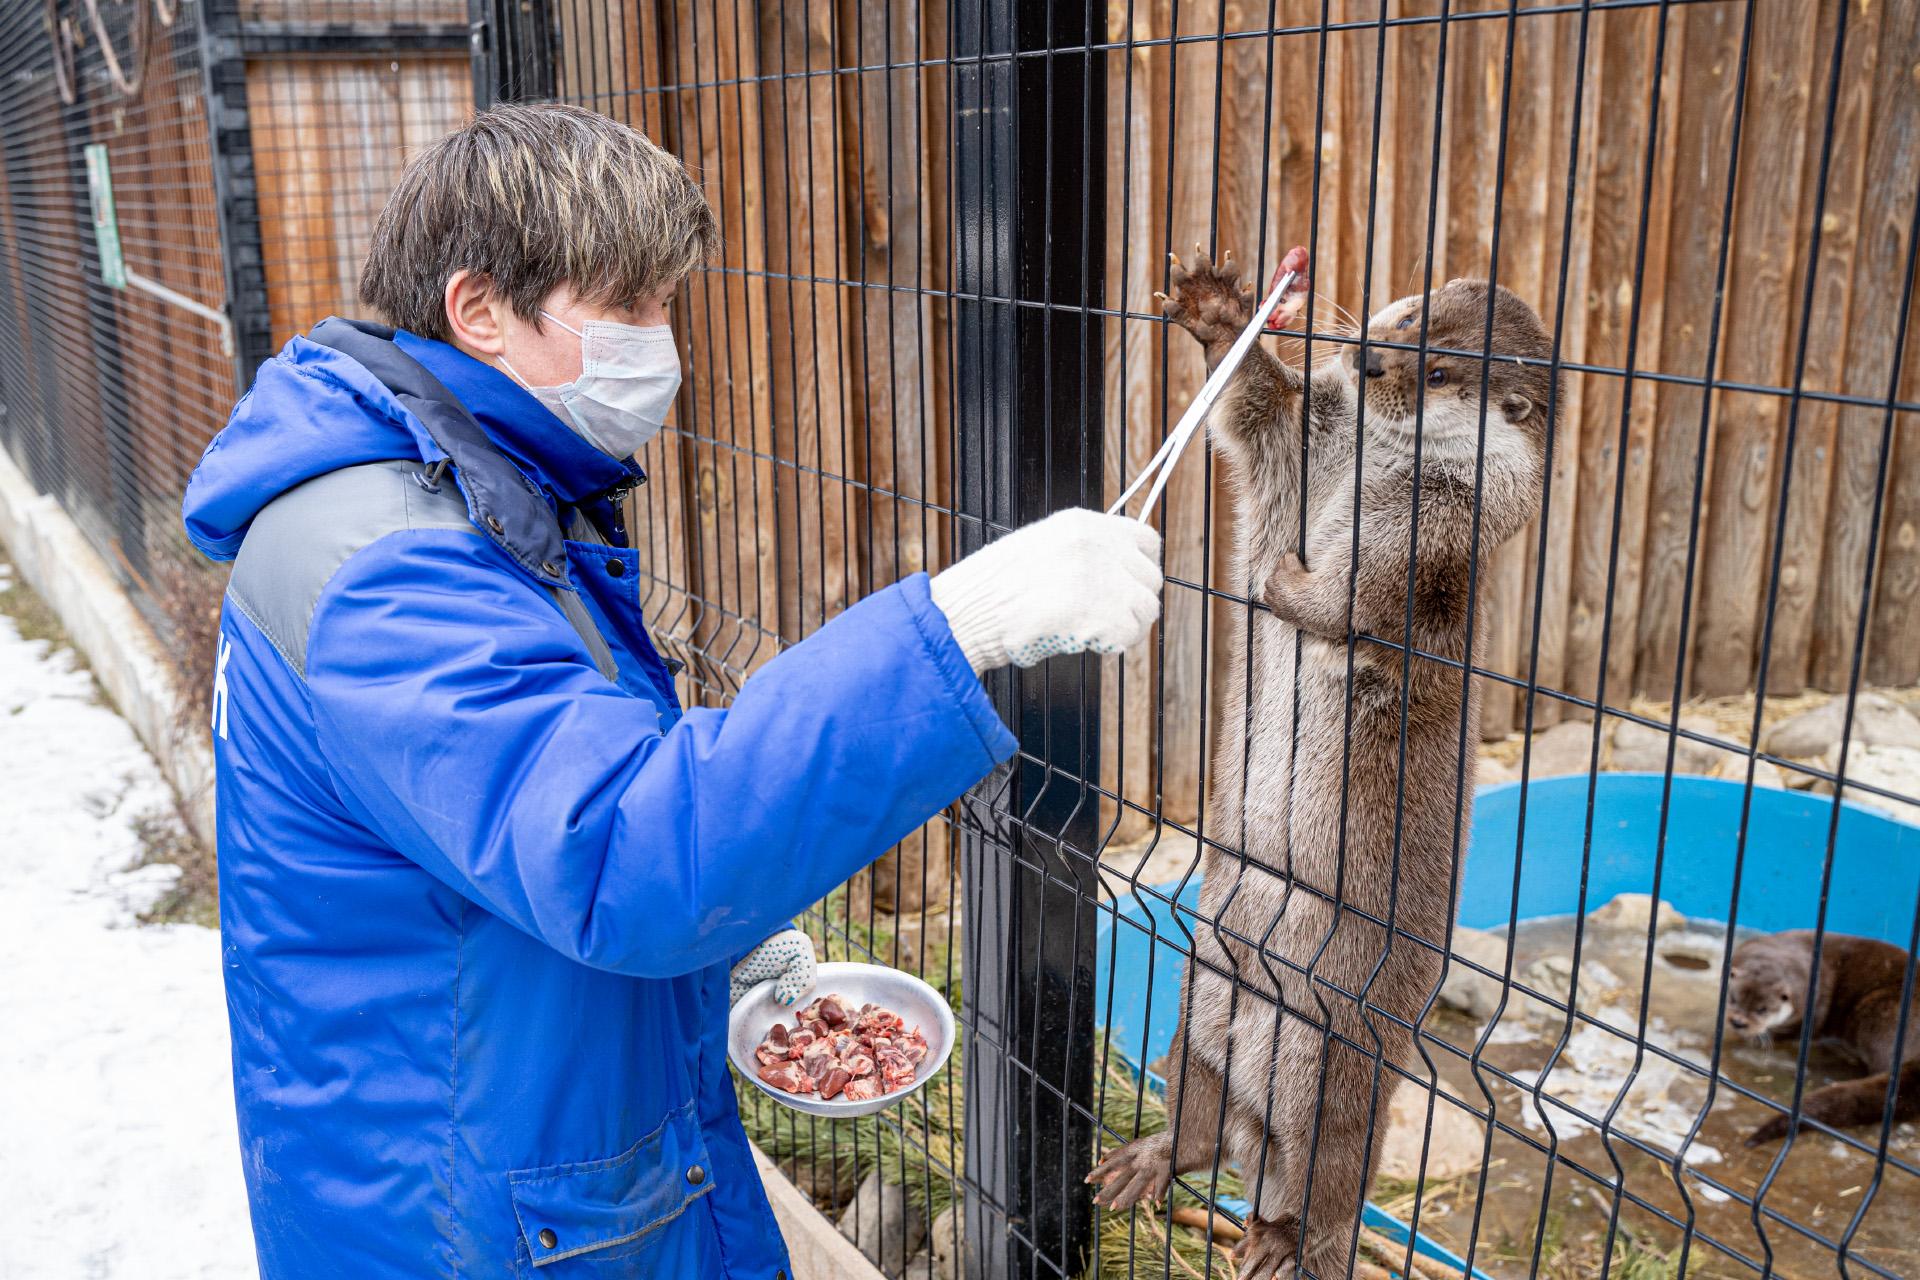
<point>118,1155</point>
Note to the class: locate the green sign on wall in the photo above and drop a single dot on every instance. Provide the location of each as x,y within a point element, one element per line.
<point>106,223</point>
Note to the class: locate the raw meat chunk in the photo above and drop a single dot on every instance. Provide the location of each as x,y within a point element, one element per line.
<point>840,1052</point>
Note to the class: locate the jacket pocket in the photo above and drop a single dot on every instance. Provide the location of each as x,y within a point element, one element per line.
<point>609,1207</point>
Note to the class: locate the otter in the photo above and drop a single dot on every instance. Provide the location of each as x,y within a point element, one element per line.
<point>1309,754</point>
<point>1857,1005</point>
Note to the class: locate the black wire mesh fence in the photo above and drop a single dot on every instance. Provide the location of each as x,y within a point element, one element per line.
<point>95,376</point>
<point>1427,930</point>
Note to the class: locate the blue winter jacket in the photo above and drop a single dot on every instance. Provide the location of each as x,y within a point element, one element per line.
<point>480,879</point>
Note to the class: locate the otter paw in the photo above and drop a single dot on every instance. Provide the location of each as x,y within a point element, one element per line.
<point>1289,576</point>
<point>1138,1171</point>
<point>1206,300</point>
<point>1270,1251</point>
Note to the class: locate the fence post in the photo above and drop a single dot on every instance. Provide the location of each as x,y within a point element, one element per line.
<point>516,57</point>
<point>1029,193</point>
<point>223,66</point>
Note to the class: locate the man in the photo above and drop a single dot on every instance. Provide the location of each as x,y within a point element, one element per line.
<point>482,881</point>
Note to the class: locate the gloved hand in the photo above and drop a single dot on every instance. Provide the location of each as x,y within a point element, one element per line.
<point>787,955</point>
<point>1075,581</point>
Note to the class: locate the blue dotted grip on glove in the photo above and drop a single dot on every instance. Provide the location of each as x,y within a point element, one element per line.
<point>788,956</point>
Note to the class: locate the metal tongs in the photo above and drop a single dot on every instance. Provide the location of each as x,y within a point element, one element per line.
<point>1161,465</point>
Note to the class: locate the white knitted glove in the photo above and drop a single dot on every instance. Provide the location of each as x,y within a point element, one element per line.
<point>788,956</point>
<point>1074,581</point>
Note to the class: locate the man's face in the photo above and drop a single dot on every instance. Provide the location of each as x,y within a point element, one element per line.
<point>548,355</point>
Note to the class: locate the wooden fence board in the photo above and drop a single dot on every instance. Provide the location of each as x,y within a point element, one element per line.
<point>1761,297</point>
<point>1809,483</point>
<point>1886,214</point>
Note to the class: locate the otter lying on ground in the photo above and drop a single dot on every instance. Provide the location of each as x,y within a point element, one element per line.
<point>1856,1004</point>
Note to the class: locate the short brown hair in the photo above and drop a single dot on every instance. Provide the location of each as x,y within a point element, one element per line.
<point>533,196</point>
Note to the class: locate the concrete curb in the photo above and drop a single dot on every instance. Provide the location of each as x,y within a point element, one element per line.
<point>815,1246</point>
<point>57,561</point>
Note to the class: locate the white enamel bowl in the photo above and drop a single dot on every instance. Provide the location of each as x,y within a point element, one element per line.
<point>917,1004</point>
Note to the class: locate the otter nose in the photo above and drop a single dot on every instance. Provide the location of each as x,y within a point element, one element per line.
<point>1374,367</point>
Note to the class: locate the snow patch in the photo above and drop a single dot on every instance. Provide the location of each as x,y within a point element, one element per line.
<point>122,1157</point>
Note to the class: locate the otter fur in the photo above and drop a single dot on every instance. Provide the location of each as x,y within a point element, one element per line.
<point>1309,754</point>
<point>1857,1005</point>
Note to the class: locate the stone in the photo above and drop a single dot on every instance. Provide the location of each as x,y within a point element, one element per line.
<point>1895,769</point>
<point>1878,721</point>
<point>1466,989</point>
<point>1631,912</point>
<point>883,1224</point>
<point>1768,774</point>
<point>825,1181</point>
<point>1639,748</point>
<point>920,1267</point>
<point>1458,1138</point>
<point>1490,771</point>
<point>1552,977</point>
<point>946,1240</point>
<point>1567,748</point>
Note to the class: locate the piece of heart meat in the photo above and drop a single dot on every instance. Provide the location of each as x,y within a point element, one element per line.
<point>790,1076</point>
<point>838,1051</point>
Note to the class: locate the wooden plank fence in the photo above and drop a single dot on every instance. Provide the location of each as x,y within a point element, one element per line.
<point>811,460</point>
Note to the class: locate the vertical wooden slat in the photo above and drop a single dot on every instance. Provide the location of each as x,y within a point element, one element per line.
<point>1803,538</point>
<point>807,352</point>
<point>1136,157</point>
<point>1534,198</point>
<point>886,221</point>
<point>1697,131</point>
<point>1473,104</point>
<point>719,132</point>
<point>1761,297</point>
<point>1185,676</point>
<point>1886,210</point>
<point>1893,647</point>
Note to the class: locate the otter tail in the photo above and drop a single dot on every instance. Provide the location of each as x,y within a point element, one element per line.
<point>1850,1103</point>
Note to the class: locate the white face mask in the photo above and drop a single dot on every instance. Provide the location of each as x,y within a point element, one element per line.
<point>629,375</point>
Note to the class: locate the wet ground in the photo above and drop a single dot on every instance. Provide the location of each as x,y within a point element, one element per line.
<point>1821,1193</point>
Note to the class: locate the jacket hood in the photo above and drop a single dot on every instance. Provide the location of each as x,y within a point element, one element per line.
<point>311,410</point>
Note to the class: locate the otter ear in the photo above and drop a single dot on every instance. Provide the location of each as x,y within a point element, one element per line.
<point>1517,407</point>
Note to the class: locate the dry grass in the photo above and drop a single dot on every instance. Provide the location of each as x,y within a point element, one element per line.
<point>195,897</point>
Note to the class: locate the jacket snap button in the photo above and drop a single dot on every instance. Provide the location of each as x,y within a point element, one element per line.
<point>696,1175</point>
<point>549,568</point>
<point>547,1238</point>
<point>493,523</point>
<point>616,568</point>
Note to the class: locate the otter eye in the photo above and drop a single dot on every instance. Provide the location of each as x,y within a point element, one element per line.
<point>1405,321</point>
<point>1436,377</point>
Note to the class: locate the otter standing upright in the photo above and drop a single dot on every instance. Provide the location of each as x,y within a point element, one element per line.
<point>1345,828</point>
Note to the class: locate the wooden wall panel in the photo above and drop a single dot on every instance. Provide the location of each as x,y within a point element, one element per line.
<point>321,188</point>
